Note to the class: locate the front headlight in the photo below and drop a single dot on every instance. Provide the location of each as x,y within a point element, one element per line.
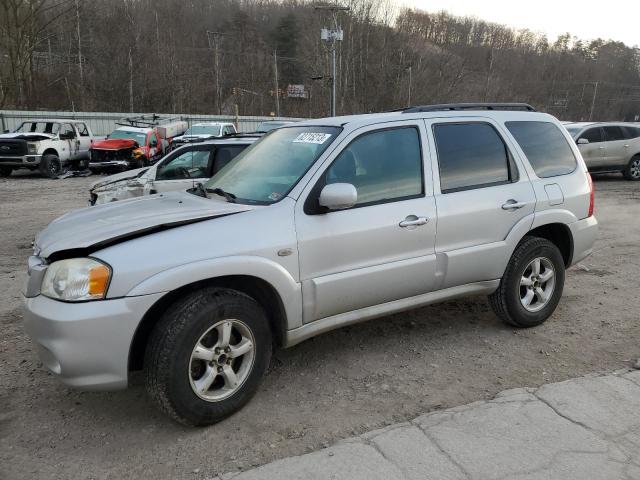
<point>76,279</point>
<point>32,148</point>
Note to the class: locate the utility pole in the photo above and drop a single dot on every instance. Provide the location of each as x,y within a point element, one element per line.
<point>275,77</point>
<point>215,35</point>
<point>331,36</point>
<point>409,99</point>
<point>130,82</point>
<point>80,54</point>
<point>593,100</point>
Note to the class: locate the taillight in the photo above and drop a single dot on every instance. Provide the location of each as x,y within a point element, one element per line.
<point>591,195</point>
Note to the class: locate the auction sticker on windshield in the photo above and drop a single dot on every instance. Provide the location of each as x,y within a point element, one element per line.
<point>310,137</point>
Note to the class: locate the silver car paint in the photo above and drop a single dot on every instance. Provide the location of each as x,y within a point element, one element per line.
<point>322,284</point>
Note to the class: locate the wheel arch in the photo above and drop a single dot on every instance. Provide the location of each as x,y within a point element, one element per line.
<point>560,235</point>
<point>257,288</point>
<point>51,151</point>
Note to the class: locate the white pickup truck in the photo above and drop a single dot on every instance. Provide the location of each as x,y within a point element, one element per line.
<point>50,146</point>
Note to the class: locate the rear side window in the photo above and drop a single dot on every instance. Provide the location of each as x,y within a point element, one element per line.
<point>613,133</point>
<point>471,156</point>
<point>545,146</point>
<point>632,132</point>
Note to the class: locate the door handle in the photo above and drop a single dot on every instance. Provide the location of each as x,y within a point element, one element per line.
<point>513,205</point>
<point>626,146</point>
<point>413,221</point>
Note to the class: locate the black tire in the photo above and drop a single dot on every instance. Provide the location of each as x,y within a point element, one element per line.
<point>167,362</point>
<point>632,172</point>
<point>50,166</point>
<point>505,301</point>
<point>5,171</point>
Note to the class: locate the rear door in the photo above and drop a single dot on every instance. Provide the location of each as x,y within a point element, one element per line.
<point>594,152</point>
<point>481,193</point>
<point>617,146</point>
<point>84,140</point>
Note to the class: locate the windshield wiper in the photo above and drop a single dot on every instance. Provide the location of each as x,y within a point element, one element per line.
<point>198,190</point>
<point>230,197</point>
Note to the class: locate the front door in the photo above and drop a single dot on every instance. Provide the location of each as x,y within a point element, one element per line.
<point>481,194</point>
<point>382,249</point>
<point>594,152</point>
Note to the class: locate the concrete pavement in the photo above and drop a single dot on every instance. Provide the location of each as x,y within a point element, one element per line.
<point>587,427</point>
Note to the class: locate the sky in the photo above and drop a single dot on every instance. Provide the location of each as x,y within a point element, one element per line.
<point>586,19</point>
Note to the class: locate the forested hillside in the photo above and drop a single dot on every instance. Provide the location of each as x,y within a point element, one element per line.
<point>160,55</point>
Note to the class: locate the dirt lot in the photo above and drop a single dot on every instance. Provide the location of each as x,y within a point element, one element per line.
<point>327,388</point>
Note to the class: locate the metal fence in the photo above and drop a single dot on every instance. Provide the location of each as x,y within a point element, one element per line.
<point>103,123</point>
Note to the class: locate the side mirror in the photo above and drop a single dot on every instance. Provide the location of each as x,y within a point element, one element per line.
<point>338,196</point>
<point>582,141</point>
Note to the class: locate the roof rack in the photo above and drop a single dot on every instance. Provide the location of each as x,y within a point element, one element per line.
<point>152,120</point>
<point>470,106</point>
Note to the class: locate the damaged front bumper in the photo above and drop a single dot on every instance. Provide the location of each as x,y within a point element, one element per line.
<point>21,161</point>
<point>109,164</point>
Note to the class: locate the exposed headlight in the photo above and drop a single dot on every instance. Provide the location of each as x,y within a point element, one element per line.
<point>76,279</point>
<point>32,148</point>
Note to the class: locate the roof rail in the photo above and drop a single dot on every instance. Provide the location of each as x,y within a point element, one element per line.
<point>151,120</point>
<point>469,106</point>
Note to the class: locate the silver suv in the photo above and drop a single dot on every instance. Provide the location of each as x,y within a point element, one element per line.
<point>318,225</point>
<point>609,147</point>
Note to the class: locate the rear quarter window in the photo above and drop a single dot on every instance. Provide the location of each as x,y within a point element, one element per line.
<point>545,146</point>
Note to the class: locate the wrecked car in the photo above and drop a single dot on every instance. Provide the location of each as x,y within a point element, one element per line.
<point>50,146</point>
<point>137,142</point>
<point>199,132</point>
<point>181,169</point>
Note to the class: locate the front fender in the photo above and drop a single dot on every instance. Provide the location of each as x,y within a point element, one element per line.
<point>269,271</point>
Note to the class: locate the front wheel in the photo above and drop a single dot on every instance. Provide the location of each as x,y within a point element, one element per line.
<point>632,172</point>
<point>207,355</point>
<point>5,171</point>
<point>532,284</point>
<point>50,166</point>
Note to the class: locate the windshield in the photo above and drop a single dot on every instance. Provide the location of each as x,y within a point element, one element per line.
<point>268,126</point>
<point>39,127</point>
<point>203,130</point>
<point>139,137</point>
<point>266,171</point>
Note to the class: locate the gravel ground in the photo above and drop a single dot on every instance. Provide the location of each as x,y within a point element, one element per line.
<point>339,384</point>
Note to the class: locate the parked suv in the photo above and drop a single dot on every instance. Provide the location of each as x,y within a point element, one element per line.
<point>609,147</point>
<point>320,224</point>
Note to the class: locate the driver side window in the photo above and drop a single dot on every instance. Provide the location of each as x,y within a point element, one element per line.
<point>190,164</point>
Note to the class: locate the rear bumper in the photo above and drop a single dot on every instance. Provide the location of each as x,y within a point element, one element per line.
<point>23,161</point>
<point>584,233</point>
<point>86,345</point>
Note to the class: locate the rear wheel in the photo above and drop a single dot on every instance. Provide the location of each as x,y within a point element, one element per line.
<point>207,355</point>
<point>5,171</point>
<point>50,166</point>
<point>532,284</point>
<point>632,172</point>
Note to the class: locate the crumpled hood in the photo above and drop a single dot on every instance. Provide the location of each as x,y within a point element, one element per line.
<point>114,144</point>
<point>35,136</point>
<point>118,177</point>
<point>101,225</point>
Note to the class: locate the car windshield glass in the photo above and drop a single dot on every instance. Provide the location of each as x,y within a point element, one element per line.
<point>139,137</point>
<point>573,131</point>
<point>39,127</point>
<point>266,172</point>
<point>203,130</point>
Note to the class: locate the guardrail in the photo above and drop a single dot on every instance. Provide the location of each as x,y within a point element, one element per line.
<point>103,123</point>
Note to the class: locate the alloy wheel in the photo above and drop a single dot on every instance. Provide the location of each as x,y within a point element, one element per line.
<point>537,284</point>
<point>221,360</point>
